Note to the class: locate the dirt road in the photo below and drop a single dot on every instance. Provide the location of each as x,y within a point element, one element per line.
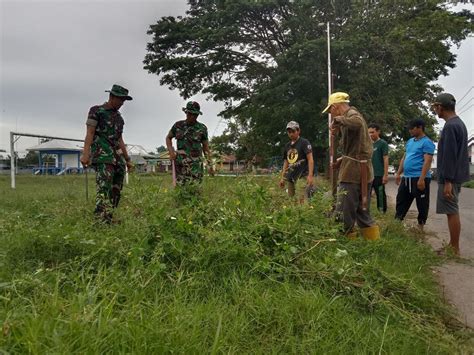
<point>456,278</point>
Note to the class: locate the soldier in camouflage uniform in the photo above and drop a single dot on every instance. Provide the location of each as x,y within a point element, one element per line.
<point>192,139</point>
<point>105,150</point>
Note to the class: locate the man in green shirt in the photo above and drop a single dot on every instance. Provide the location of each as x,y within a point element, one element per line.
<point>105,150</point>
<point>191,140</point>
<point>380,164</point>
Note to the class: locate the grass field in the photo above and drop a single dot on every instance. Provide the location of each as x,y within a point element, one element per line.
<point>239,270</point>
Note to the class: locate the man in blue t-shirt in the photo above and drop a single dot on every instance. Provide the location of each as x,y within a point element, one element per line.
<point>415,167</point>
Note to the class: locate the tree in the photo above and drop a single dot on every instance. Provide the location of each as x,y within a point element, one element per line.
<point>395,154</point>
<point>160,149</point>
<point>266,60</point>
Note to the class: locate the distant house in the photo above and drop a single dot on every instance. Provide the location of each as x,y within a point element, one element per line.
<point>229,163</point>
<point>66,157</point>
<point>4,160</point>
<point>143,161</point>
<point>163,162</point>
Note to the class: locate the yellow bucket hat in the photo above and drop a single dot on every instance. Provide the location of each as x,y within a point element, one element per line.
<point>337,98</point>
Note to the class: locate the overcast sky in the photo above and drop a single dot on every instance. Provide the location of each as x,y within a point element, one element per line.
<point>58,57</point>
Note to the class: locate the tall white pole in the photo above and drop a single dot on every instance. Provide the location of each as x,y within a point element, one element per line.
<point>12,159</point>
<point>331,153</point>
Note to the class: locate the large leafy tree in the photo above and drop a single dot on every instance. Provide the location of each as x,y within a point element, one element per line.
<point>266,60</point>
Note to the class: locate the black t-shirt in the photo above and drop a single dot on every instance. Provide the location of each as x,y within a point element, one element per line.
<point>295,154</point>
<point>453,155</point>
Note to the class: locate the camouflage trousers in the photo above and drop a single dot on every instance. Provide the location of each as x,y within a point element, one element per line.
<point>109,183</point>
<point>188,170</point>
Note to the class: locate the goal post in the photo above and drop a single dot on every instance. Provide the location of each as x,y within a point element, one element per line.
<point>14,136</point>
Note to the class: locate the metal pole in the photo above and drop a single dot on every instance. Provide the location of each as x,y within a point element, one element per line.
<point>173,172</point>
<point>87,183</point>
<point>331,152</point>
<point>12,159</point>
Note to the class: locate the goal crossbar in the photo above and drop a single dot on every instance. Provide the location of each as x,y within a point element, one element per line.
<point>14,136</point>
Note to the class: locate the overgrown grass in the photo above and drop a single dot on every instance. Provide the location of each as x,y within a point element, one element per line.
<point>469,184</point>
<point>238,270</point>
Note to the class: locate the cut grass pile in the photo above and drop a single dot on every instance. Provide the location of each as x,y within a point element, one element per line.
<point>238,270</point>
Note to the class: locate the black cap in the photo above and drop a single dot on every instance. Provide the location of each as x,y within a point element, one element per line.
<point>418,122</point>
<point>445,100</point>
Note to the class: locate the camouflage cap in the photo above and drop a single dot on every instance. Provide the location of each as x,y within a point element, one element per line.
<point>119,91</point>
<point>193,107</point>
<point>293,125</point>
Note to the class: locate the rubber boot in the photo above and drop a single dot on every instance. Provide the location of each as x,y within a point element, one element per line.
<point>371,233</point>
<point>352,235</point>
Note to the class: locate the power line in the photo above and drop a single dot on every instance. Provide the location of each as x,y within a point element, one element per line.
<point>472,98</point>
<point>467,109</point>
<point>468,91</point>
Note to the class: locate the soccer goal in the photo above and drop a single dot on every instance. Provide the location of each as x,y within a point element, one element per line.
<point>15,136</point>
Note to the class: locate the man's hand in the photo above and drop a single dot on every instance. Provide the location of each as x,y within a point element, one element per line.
<point>173,154</point>
<point>384,179</point>
<point>130,166</point>
<point>421,184</point>
<point>448,190</point>
<point>85,160</point>
<point>309,180</point>
<point>398,179</point>
<point>282,183</point>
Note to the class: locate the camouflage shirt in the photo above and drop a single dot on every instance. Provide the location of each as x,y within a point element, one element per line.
<point>108,125</point>
<point>189,138</point>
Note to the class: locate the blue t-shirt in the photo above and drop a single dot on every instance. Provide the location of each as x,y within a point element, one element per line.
<point>414,156</point>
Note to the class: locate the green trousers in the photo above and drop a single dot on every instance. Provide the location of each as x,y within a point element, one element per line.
<point>109,183</point>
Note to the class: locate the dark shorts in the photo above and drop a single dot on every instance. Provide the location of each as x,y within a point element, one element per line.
<point>300,189</point>
<point>445,206</point>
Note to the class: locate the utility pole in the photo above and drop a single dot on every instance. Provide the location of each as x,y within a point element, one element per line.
<point>332,175</point>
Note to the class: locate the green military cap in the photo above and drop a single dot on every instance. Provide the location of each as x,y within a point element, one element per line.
<point>119,91</point>
<point>193,107</point>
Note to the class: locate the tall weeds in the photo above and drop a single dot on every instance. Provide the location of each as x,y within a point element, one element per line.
<point>234,266</point>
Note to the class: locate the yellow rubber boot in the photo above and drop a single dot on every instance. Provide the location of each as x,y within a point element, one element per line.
<point>352,235</point>
<point>371,233</point>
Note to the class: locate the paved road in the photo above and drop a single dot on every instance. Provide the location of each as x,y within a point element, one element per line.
<point>456,279</point>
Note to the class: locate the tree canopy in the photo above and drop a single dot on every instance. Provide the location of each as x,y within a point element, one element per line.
<point>266,60</point>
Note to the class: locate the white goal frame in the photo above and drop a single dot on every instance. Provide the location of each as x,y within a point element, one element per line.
<point>14,137</point>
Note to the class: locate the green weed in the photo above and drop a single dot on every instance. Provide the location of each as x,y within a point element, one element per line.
<point>233,267</point>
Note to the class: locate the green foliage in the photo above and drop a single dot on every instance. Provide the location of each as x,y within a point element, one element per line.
<point>267,61</point>
<point>469,184</point>
<point>160,149</point>
<point>231,267</point>
<point>396,154</point>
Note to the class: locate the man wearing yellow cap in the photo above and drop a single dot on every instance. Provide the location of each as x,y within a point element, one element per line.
<point>355,170</point>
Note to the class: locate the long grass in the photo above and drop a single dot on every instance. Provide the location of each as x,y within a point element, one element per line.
<point>235,268</point>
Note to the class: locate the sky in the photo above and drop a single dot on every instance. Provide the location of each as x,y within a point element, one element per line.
<point>58,57</point>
